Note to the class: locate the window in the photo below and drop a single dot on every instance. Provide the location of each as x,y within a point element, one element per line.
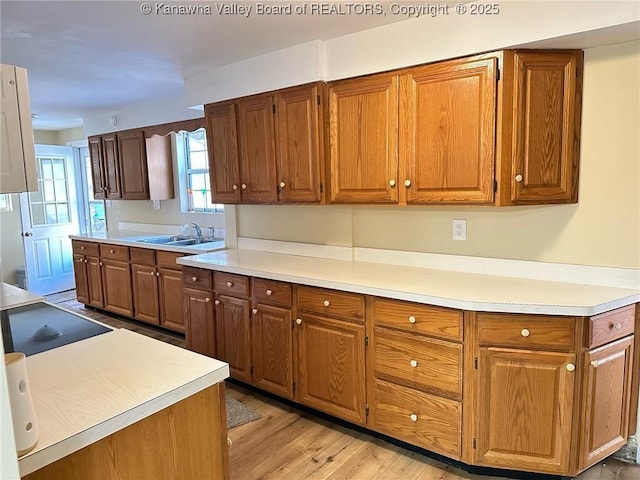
<point>5,203</point>
<point>195,185</point>
<point>96,214</point>
<point>50,203</point>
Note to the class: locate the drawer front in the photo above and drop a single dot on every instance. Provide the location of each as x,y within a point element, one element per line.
<point>527,331</point>
<point>86,248</point>
<point>419,362</point>
<point>230,284</point>
<point>610,326</point>
<point>197,278</point>
<point>332,303</point>
<point>168,259</point>
<point>143,256</point>
<point>418,418</point>
<point>417,318</point>
<point>115,252</point>
<point>271,292</point>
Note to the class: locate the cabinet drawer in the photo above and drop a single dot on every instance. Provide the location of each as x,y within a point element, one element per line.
<point>168,259</point>
<point>418,418</point>
<point>143,256</point>
<point>197,278</point>
<point>86,248</point>
<point>419,362</point>
<point>417,318</point>
<point>271,292</point>
<point>330,302</point>
<point>115,252</point>
<point>230,284</point>
<point>527,331</point>
<point>609,326</point>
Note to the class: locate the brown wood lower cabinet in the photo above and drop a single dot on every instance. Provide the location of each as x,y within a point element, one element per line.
<point>170,291</point>
<point>116,282</point>
<point>145,293</point>
<point>233,335</point>
<point>200,321</point>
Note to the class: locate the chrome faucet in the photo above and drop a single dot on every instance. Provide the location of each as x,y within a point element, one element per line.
<point>197,228</point>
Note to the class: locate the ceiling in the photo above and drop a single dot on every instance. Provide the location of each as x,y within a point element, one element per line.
<point>85,56</point>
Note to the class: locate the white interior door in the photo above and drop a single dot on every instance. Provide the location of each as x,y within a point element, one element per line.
<point>49,216</point>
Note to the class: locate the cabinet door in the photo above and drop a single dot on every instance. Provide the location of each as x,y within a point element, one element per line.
<point>447,132</point>
<point>145,294</point>
<point>524,409</point>
<point>111,166</point>
<point>299,141</point>
<point>363,139</point>
<point>331,367</point>
<point>222,146</point>
<point>171,312</point>
<point>546,127</point>
<point>272,349</point>
<point>134,178</point>
<point>607,391</point>
<point>94,282</point>
<point>80,273</point>
<point>200,321</point>
<point>116,282</point>
<point>233,332</point>
<point>97,163</point>
<point>257,150</point>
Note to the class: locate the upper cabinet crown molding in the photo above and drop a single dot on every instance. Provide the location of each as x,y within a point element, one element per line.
<point>18,158</point>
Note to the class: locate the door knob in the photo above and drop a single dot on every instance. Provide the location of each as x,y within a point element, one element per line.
<point>27,234</point>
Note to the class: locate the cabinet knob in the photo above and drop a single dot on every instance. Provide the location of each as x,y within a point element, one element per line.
<point>615,326</point>
<point>413,417</point>
<point>235,187</point>
<point>407,183</point>
<point>207,299</point>
<point>217,302</point>
<point>525,333</point>
<point>571,367</point>
<point>518,178</point>
<point>85,260</point>
<point>100,263</point>
<point>112,251</point>
<point>326,303</point>
<point>229,284</point>
<point>157,274</point>
<point>244,186</point>
<point>282,184</point>
<point>413,363</point>
<point>299,321</point>
<point>412,319</point>
<point>194,279</point>
<point>83,247</point>
<point>595,363</point>
<point>254,311</point>
<point>269,292</point>
<point>392,183</point>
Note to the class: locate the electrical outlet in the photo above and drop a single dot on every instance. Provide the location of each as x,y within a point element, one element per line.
<point>156,204</point>
<point>459,229</point>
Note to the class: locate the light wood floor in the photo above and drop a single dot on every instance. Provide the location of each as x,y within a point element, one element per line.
<point>290,444</point>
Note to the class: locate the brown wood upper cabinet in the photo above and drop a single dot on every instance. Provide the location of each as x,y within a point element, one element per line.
<point>501,128</point>
<point>121,162</point>
<point>267,148</point>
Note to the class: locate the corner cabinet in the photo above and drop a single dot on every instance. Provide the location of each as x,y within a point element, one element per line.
<point>268,148</point>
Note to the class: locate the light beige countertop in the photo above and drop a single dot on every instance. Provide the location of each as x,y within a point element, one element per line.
<point>11,297</point>
<point>467,291</point>
<point>85,391</point>
<point>131,239</point>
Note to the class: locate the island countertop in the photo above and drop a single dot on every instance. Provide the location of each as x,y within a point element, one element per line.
<point>85,391</point>
<point>454,289</point>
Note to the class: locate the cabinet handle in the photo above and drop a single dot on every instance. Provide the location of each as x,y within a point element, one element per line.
<point>326,303</point>
<point>194,279</point>
<point>206,300</point>
<point>235,187</point>
<point>254,311</point>
<point>571,367</point>
<point>595,363</point>
<point>269,292</point>
<point>392,183</point>
<point>282,184</point>
<point>229,284</point>
<point>518,178</point>
<point>244,186</point>
<point>407,183</point>
<point>299,321</point>
<point>412,319</point>
<point>217,302</point>
<point>615,326</point>
<point>413,363</point>
<point>525,333</point>
<point>413,417</point>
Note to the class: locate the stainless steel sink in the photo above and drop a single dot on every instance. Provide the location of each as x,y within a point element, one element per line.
<point>179,240</point>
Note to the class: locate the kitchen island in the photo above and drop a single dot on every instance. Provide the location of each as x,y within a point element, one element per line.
<point>108,405</point>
